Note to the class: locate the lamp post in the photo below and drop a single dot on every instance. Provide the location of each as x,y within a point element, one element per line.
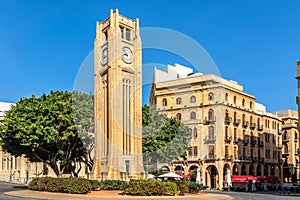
<point>9,160</point>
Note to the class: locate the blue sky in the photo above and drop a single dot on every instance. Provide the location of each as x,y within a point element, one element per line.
<point>256,43</point>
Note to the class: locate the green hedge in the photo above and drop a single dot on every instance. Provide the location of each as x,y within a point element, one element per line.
<point>66,185</point>
<point>150,188</point>
<point>195,187</point>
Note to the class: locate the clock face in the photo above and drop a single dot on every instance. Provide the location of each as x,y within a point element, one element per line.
<point>104,56</point>
<point>127,55</point>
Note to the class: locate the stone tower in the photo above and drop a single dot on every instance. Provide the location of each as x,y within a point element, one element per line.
<point>118,99</point>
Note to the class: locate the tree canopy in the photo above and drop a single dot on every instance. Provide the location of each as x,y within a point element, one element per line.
<point>45,129</point>
<point>164,139</point>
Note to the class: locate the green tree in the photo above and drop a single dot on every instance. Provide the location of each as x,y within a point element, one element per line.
<point>44,130</point>
<point>164,139</point>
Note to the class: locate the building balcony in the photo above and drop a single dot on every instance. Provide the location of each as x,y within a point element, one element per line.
<point>246,141</point>
<point>261,160</point>
<point>228,139</point>
<point>244,158</point>
<point>228,120</point>
<point>209,120</point>
<point>252,126</point>
<point>260,127</point>
<point>255,159</point>
<point>236,140</point>
<point>245,124</point>
<point>228,158</point>
<point>208,140</point>
<point>285,153</point>
<point>211,157</point>
<point>236,122</point>
<point>285,139</point>
<point>260,143</point>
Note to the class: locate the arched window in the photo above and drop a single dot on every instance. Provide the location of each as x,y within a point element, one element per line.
<point>266,123</point>
<point>258,121</point>
<point>296,136</point>
<point>178,100</point>
<point>234,116</point>
<point>243,102</point>
<point>226,114</point>
<point>211,133</point>
<point>251,119</point>
<point>226,97</point>
<point>193,115</point>
<point>235,134</point>
<point>210,96</point>
<point>244,118</point>
<point>195,132</point>
<point>210,114</point>
<point>178,116</point>
<point>234,99</point>
<point>193,99</point>
<point>250,104</point>
<point>164,102</point>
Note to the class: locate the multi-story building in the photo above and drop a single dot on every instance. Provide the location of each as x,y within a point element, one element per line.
<point>290,143</point>
<point>229,129</point>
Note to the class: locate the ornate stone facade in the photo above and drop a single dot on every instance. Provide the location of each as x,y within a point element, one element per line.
<point>230,130</point>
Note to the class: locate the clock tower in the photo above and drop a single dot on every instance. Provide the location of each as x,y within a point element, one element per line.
<point>118,99</point>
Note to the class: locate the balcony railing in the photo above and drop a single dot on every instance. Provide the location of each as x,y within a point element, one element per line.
<point>252,126</point>
<point>228,158</point>
<point>245,124</point>
<point>262,160</point>
<point>254,159</point>
<point>285,153</point>
<point>285,139</point>
<point>208,140</point>
<point>260,144</point>
<point>246,141</point>
<point>210,157</point>
<point>236,122</point>
<point>260,127</point>
<point>228,120</point>
<point>208,120</point>
<point>228,139</point>
<point>236,140</point>
<point>245,158</point>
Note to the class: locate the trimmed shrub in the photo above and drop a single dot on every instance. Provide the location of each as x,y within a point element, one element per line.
<point>95,184</point>
<point>113,185</point>
<point>150,188</point>
<point>195,187</point>
<point>66,185</point>
<point>183,186</point>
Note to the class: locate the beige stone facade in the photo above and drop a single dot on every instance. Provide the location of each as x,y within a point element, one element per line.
<point>230,130</point>
<point>290,143</point>
<point>118,99</point>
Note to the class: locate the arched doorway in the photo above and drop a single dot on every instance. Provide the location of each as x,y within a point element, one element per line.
<point>179,170</point>
<point>243,170</point>
<point>258,170</point>
<point>213,173</point>
<point>235,170</point>
<point>266,170</point>
<point>192,168</point>
<point>272,170</point>
<point>251,170</point>
<point>165,169</point>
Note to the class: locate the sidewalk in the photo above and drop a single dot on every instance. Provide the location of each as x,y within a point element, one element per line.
<point>107,195</point>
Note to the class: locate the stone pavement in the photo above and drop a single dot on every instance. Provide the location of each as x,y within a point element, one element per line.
<point>108,195</point>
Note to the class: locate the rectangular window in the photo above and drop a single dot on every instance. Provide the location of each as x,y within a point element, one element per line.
<point>128,34</point>
<point>122,32</point>
<point>226,152</point>
<point>105,35</point>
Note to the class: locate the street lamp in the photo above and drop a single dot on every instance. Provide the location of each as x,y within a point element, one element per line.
<point>9,160</point>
